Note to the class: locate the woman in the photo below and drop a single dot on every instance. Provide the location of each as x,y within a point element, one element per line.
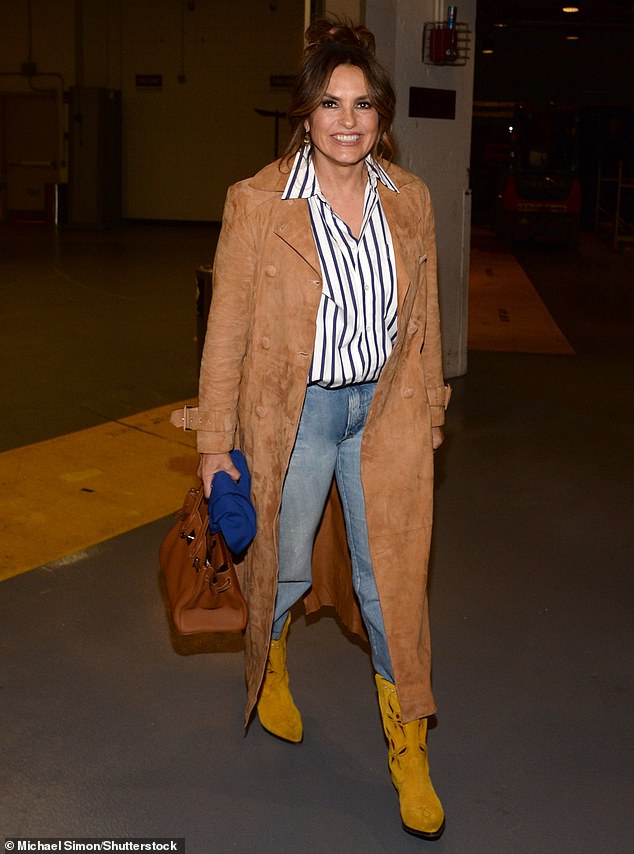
<point>323,359</point>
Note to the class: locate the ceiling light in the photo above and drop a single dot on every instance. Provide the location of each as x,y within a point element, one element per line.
<point>570,9</point>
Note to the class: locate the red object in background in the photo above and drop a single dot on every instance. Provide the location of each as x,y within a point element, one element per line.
<point>442,44</point>
<point>569,203</point>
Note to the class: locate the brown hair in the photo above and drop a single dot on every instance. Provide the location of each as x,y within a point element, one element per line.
<point>329,44</point>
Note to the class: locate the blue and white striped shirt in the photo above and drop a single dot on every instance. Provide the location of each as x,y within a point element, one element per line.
<point>356,321</point>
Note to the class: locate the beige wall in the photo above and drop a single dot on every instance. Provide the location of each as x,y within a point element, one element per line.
<point>182,144</point>
<point>189,141</point>
<point>346,9</point>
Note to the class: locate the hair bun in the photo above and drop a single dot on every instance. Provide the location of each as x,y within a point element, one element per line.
<point>323,32</point>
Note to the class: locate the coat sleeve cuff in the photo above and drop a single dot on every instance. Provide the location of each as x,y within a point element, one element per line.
<point>438,397</point>
<point>214,443</point>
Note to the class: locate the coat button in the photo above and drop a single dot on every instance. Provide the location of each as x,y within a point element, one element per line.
<point>266,343</point>
<point>408,392</point>
<point>412,327</point>
<point>271,270</point>
<point>259,411</point>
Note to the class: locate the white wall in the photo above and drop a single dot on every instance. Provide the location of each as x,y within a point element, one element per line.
<point>436,149</point>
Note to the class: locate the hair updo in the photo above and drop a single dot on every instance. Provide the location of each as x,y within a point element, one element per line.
<point>327,45</point>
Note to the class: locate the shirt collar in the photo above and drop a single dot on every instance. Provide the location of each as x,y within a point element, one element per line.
<point>302,182</point>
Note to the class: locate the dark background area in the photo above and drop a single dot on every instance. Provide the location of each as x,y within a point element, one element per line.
<point>530,51</point>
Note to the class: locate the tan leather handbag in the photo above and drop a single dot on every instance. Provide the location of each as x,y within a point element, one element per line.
<point>202,586</point>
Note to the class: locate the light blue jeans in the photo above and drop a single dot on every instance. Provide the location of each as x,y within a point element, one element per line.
<point>328,442</point>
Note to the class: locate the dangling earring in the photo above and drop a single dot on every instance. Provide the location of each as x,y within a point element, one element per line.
<point>307,139</point>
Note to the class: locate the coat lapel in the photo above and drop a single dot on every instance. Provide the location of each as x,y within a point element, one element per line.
<point>292,220</point>
<point>292,225</point>
<point>294,228</point>
<point>400,229</point>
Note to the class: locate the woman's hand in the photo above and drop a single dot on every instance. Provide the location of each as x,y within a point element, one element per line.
<point>437,437</point>
<point>210,464</point>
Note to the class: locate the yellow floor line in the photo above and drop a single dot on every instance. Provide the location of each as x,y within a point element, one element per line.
<point>505,311</point>
<point>65,494</point>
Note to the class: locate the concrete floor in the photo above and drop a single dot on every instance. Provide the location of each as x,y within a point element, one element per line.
<point>111,727</point>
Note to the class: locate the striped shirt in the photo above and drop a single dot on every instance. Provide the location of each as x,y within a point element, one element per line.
<point>356,321</point>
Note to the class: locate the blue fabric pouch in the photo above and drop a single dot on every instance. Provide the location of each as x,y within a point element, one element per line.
<point>230,507</point>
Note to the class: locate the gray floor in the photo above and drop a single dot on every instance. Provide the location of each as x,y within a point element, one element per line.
<point>111,727</point>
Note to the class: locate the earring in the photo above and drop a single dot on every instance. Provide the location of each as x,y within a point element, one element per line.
<point>307,139</point>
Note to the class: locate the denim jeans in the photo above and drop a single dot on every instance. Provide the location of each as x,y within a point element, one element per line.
<point>328,442</point>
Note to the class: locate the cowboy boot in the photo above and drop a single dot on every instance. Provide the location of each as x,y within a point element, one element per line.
<point>421,811</point>
<point>277,712</point>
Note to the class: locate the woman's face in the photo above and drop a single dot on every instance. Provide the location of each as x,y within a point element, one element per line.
<point>345,126</point>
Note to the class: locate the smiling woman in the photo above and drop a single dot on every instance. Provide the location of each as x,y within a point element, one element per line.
<point>344,128</point>
<point>327,48</point>
<point>322,363</point>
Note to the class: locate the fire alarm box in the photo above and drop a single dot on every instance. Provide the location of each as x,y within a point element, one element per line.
<point>444,44</point>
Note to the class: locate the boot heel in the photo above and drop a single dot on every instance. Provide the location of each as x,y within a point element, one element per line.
<point>422,814</point>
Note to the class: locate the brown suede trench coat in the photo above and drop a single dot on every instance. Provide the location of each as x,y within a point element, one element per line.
<point>259,342</point>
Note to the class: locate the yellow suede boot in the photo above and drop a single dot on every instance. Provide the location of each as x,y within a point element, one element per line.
<point>277,712</point>
<point>421,811</point>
